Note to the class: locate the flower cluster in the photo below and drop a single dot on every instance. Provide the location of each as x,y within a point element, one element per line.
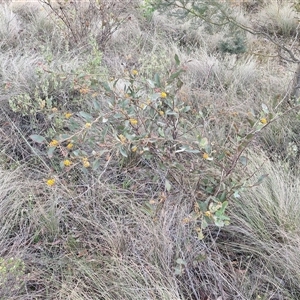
<point>85,162</point>
<point>54,143</point>
<point>50,182</point>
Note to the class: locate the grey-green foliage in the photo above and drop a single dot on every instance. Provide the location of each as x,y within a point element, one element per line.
<point>201,12</point>
<point>233,45</point>
<point>211,17</point>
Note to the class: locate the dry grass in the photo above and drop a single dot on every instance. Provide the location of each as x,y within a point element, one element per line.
<point>119,232</point>
<point>279,17</point>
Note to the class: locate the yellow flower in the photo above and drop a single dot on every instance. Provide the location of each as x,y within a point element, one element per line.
<point>205,156</point>
<point>87,125</point>
<point>42,104</point>
<point>163,95</point>
<point>70,146</point>
<point>134,148</point>
<point>122,138</point>
<point>186,220</point>
<point>134,72</point>
<point>85,162</point>
<point>53,143</point>
<point>68,115</point>
<point>152,201</point>
<point>50,182</point>
<point>208,214</point>
<point>133,121</point>
<point>161,113</point>
<point>263,121</point>
<point>67,163</point>
<point>84,91</point>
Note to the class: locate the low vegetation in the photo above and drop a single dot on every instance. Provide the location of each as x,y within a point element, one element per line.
<point>149,150</point>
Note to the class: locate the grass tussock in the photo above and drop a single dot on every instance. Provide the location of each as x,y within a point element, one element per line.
<point>279,18</point>
<point>144,156</point>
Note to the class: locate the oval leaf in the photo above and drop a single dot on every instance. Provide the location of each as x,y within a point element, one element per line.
<point>86,116</point>
<point>203,142</point>
<point>96,164</point>
<point>50,152</point>
<point>123,152</point>
<point>38,138</point>
<point>168,185</point>
<point>177,60</point>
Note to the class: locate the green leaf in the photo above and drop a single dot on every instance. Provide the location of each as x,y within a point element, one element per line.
<point>251,122</point>
<point>178,271</point>
<point>170,112</point>
<point>236,194</point>
<point>221,155</point>
<point>155,96</point>
<point>118,116</point>
<point>222,197</point>
<point>270,116</point>
<point>104,133</point>
<point>204,223</point>
<point>106,86</point>
<point>265,108</point>
<point>50,152</point>
<point>177,60</point>
<point>243,160</point>
<point>80,75</point>
<point>219,223</point>
<point>200,235</point>
<point>161,132</point>
<point>186,109</point>
<point>182,149</point>
<point>249,136</point>
<point>157,80</point>
<point>180,261</point>
<point>129,137</point>
<point>174,75</point>
<point>202,205</point>
<point>179,83</point>
<point>37,138</point>
<point>151,83</point>
<point>260,179</point>
<point>96,164</point>
<point>64,137</point>
<point>86,116</point>
<point>186,149</point>
<point>223,208</point>
<point>76,152</point>
<point>148,209</point>
<point>123,152</point>
<point>192,151</point>
<point>73,125</point>
<point>96,105</point>
<point>203,142</point>
<point>168,185</point>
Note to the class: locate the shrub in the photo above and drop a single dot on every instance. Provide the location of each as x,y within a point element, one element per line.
<point>147,121</point>
<point>234,45</point>
<point>83,19</point>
